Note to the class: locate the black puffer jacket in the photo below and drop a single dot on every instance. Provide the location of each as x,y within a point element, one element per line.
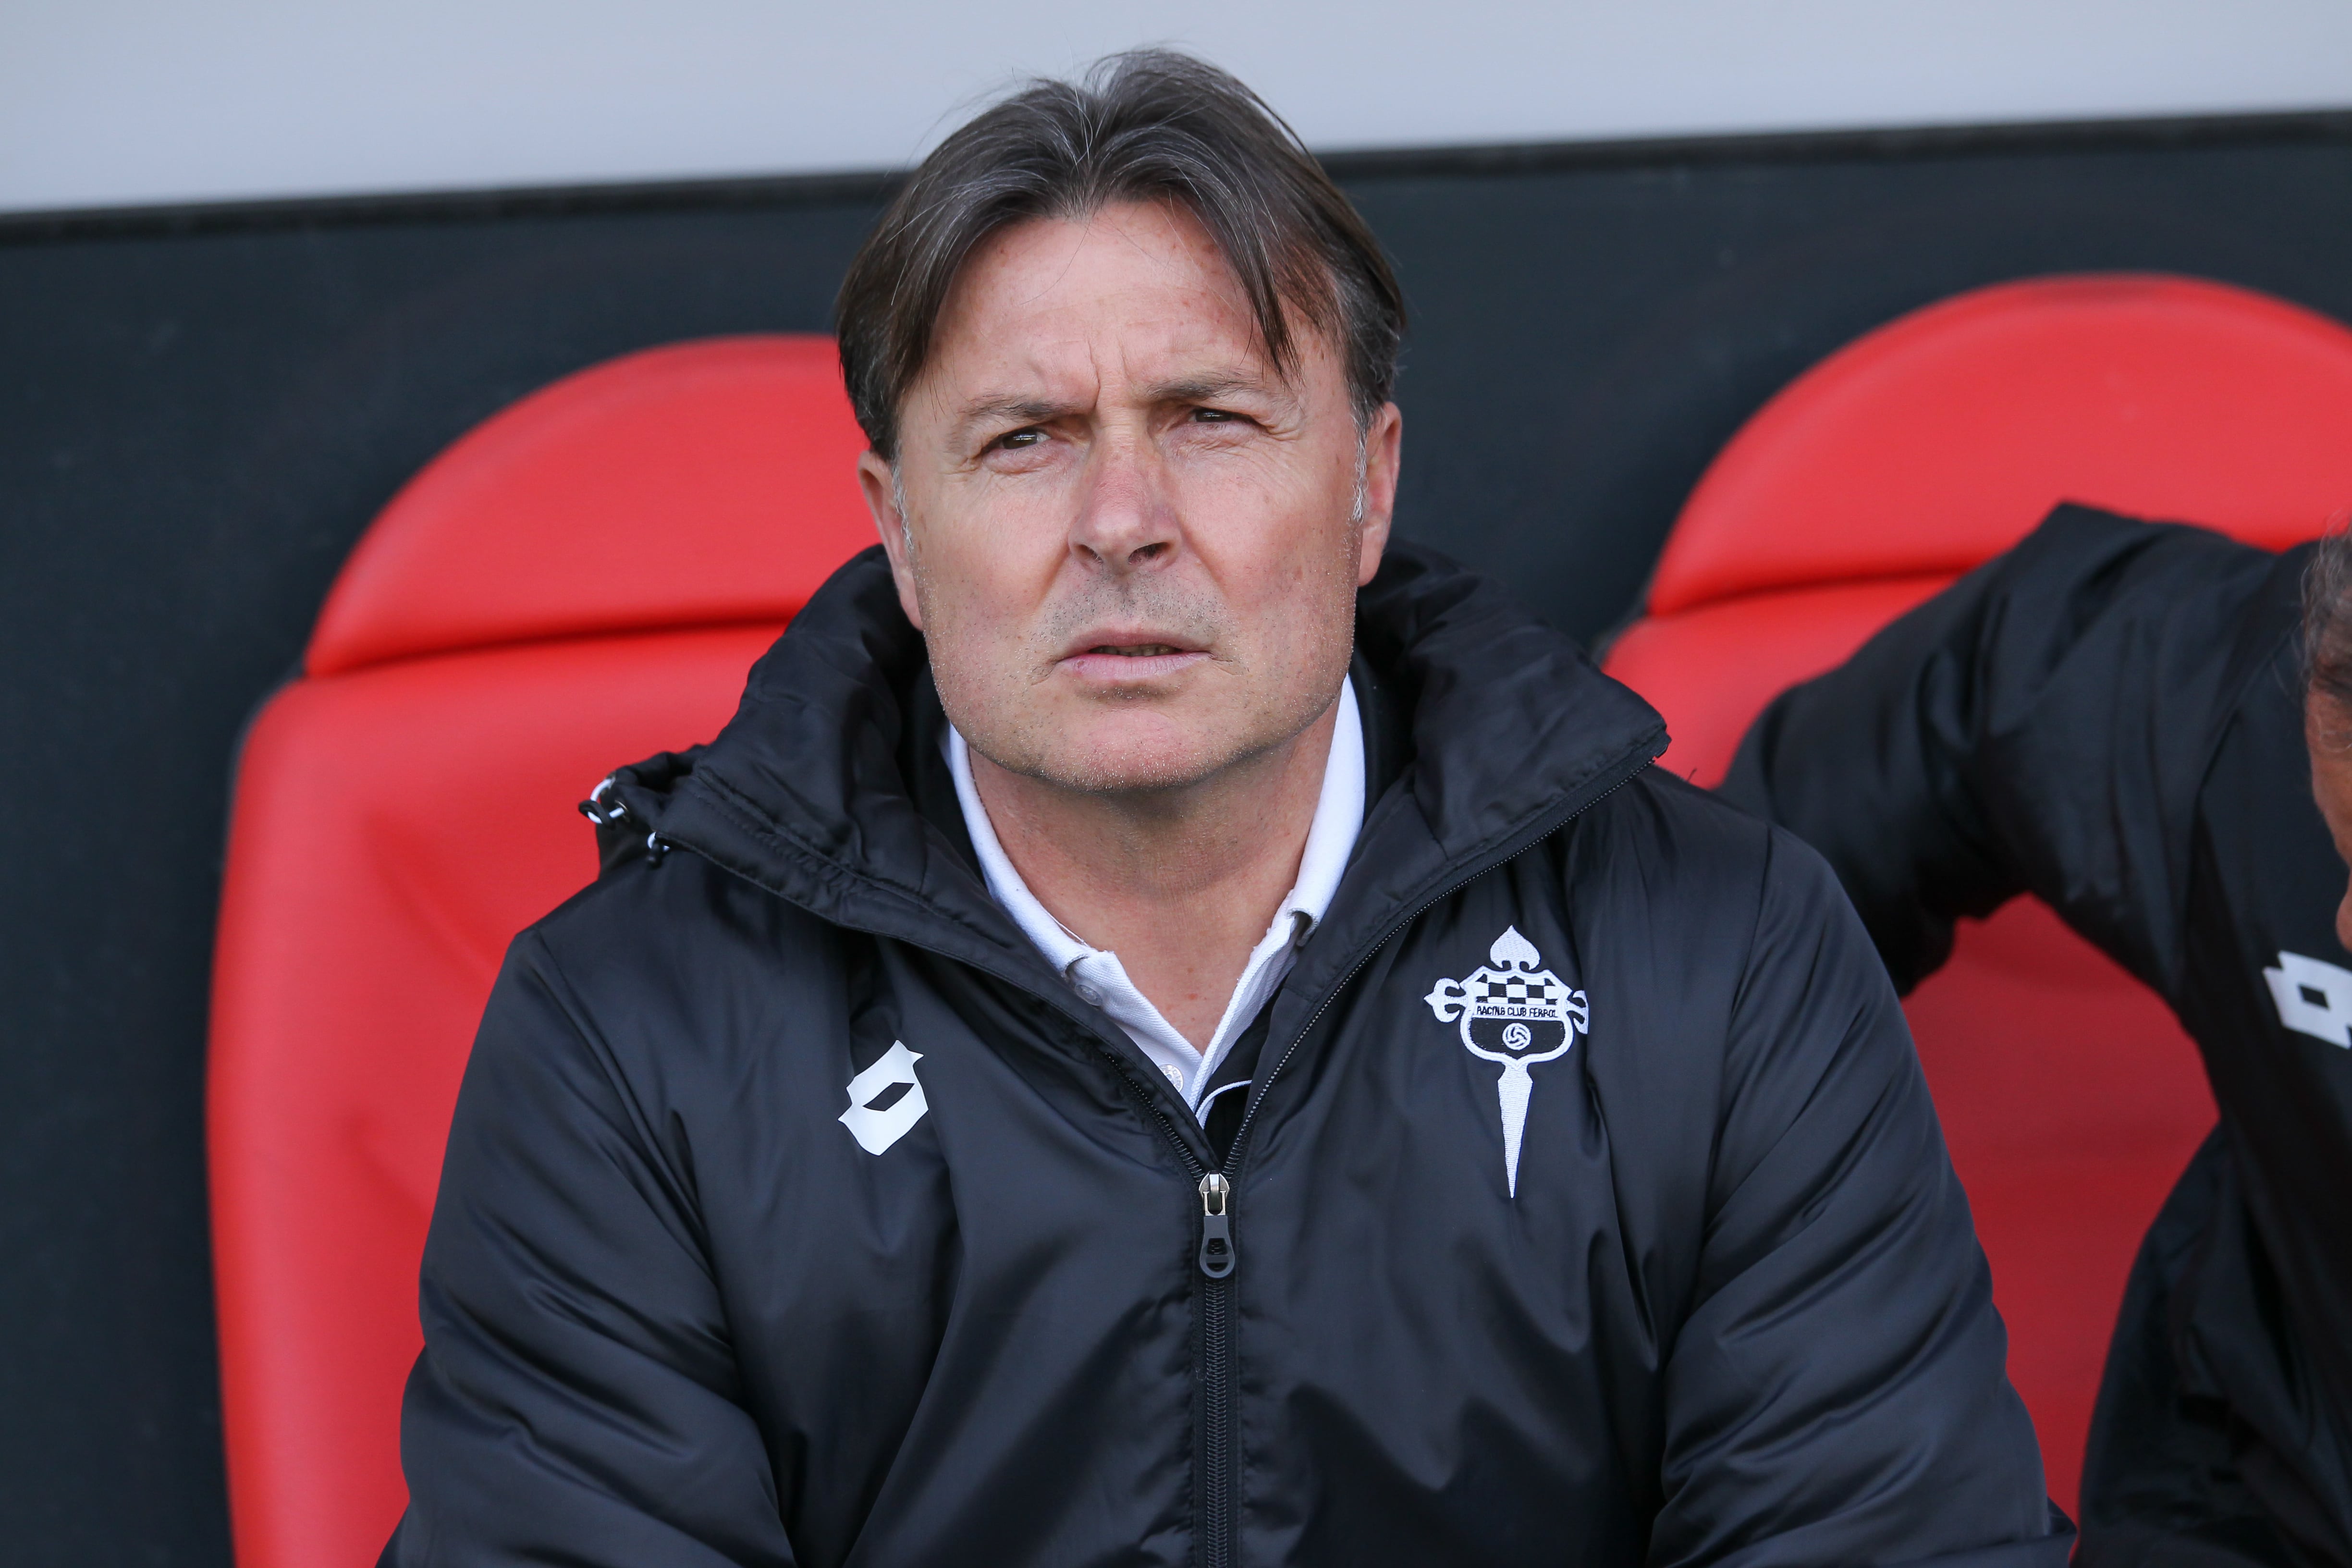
<point>796,1212</point>
<point>2110,717</point>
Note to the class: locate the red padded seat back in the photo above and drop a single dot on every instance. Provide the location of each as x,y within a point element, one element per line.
<point>2068,1094</point>
<point>581,580</point>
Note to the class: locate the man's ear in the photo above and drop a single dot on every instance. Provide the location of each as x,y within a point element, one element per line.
<point>1383,448</point>
<point>881,491</point>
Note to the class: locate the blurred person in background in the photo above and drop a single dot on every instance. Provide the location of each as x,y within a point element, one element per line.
<point>2149,728</point>
<point>1172,1028</point>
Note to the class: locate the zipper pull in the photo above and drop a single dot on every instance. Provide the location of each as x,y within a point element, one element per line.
<point>1216,1225</point>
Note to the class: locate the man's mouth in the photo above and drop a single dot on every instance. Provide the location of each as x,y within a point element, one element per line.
<point>1119,657</point>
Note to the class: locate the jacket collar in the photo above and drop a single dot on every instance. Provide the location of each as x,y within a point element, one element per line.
<point>1486,729</point>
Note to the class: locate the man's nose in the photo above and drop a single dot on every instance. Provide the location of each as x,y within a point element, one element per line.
<point>1126,519</point>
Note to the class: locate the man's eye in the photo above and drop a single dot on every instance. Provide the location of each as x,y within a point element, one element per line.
<point>1017,440</point>
<point>1214,415</point>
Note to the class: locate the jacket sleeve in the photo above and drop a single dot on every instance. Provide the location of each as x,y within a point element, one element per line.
<point>576,1399</point>
<point>2039,727</point>
<point>1837,1394</point>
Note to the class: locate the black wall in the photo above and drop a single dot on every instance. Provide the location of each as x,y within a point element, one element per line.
<point>199,412</point>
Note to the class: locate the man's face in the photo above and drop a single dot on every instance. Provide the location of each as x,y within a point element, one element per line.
<point>1132,545</point>
<point>2327,734</point>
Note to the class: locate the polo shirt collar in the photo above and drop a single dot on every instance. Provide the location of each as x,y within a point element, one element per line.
<point>1101,980</point>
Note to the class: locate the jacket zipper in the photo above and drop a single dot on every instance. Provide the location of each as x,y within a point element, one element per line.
<point>1218,1256</point>
<point>1215,1466</point>
<point>1218,1259</point>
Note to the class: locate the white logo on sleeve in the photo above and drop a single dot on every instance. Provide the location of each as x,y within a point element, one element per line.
<point>1518,1015</point>
<point>877,1118</point>
<point>2313,998</point>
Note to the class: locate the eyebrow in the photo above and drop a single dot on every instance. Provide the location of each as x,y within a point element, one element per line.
<point>1208,388</point>
<point>1015,411</point>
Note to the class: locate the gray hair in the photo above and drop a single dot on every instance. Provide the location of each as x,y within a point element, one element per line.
<point>2327,619</point>
<point>1152,125</point>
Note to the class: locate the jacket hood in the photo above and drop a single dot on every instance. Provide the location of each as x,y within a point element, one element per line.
<point>816,788</point>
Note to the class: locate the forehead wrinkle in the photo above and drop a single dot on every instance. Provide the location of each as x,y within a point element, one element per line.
<point>1172,330</point>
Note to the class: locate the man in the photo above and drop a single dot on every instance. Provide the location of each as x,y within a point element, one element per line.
<point>1168,1029</point>
<point>2140,724</point>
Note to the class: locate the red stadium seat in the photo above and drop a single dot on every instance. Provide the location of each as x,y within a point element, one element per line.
<point>2068,1093</point>
<point>581,580</point>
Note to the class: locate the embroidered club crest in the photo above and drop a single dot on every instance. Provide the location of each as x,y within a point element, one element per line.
<point>1517,1013</point>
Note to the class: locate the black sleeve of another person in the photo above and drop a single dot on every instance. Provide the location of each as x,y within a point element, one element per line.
<point>2041,727</point>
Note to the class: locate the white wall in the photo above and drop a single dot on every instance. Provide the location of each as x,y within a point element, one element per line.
<point>108,103</point>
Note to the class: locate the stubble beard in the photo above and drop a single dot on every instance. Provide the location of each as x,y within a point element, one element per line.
<point>1036,744</point>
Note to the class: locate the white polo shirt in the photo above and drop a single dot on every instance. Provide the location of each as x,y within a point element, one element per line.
<point>1098,977</point>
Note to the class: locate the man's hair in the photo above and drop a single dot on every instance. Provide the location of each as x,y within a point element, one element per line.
<point>2327,619</point>
<point>1147,126</point>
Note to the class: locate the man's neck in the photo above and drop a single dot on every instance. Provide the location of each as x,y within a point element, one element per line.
<point>1181,884</point>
